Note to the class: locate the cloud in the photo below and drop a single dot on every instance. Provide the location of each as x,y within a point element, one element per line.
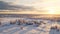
<point>8,6</point>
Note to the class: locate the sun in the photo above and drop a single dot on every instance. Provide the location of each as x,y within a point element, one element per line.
<point>51,11</point>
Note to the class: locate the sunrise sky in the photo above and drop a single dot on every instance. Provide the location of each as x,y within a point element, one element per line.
<point>31,6</point>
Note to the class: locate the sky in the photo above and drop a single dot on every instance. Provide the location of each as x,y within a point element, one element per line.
<point>37,6</point>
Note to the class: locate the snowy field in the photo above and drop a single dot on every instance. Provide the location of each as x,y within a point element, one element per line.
<point>7,28</point>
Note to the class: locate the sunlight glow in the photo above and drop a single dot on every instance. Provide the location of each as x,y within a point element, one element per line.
<point>51,11</point>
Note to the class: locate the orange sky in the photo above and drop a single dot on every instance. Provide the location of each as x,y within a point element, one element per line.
<point>31,12</point>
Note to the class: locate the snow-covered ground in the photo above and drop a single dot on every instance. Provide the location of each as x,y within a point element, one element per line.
<point>28,29</point>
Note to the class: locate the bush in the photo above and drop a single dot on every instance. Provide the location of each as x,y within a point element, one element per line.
<point>29,23</point>
<point>12,22</point>
<point>54,27</point>
<point>0,23</point>
<point>20,22</point>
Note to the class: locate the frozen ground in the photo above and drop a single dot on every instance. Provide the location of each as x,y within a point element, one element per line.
<point>30,29</point>
<point>27,29</point>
